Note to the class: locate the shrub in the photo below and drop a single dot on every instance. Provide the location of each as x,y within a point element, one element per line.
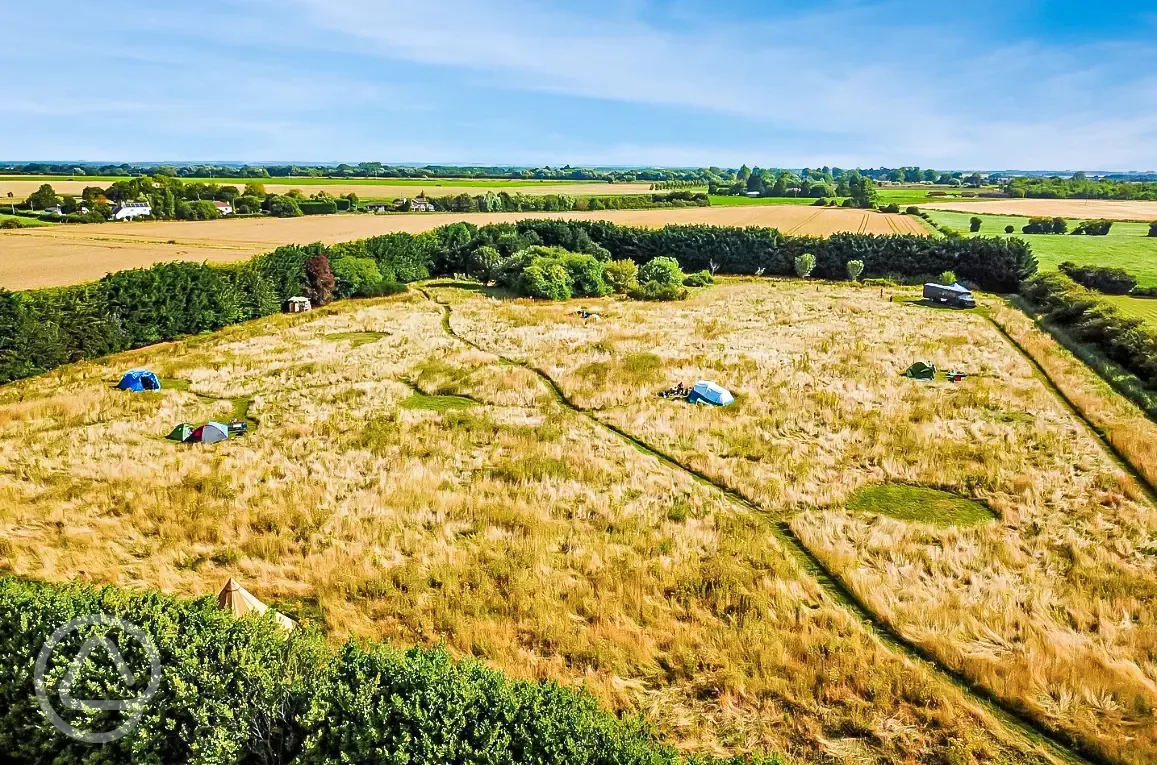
<point>1099,227</point>
<point>1153,228</point>
<point>855,268</point>
<point>317,206</point>
<point>320,283</point>
<point>1009,229</point>
<point>1046,226</point>
<point>622,275</point>
<point>546,280</point>
<point>1111,281</point>
<point>352,275</point>
<point>656,291</point>
<point>891,208</point>
<point>974,224</point>
<point>804,264</point>
<point>663,271</point>
<point>11,223</point>
<point>284,207</point>
<point>912,211</point>
<point>948,277</point>
<point>382,288</point>
<point>242,691</point>
<point>821,202</point>
<point>699,279</point>
<point>486,264</point>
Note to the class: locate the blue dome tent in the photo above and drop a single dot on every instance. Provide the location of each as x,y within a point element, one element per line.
<point>138,380</point>
<point>706,392</point>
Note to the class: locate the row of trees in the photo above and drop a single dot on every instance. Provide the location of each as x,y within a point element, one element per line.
<point>505,202</point>
<point>860,189</point>
<point>45,328</point>
<point>171,198</point>
<point>1079,186</point>
<point>246,692</point>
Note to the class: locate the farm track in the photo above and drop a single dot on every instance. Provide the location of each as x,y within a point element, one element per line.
<point>1053,744</point>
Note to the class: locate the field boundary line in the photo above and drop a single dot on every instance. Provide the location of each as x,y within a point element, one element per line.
<point>1059,744</point>
<point>1116,455</point>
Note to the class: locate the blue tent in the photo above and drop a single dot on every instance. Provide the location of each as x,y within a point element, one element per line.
<point>138,380</point>
<point>706,392</point>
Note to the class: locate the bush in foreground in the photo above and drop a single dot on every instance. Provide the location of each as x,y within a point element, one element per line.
<point>244,692</point>
<point>804,265</point>
<point>1153,228</point>
<point>1046,226</point>
<point>855,268</point>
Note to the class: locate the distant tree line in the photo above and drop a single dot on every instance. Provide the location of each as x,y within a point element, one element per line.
<point>373,170</point>
<point>1079,186</point>
<point>504,202</point>
<point>171,198</point>
<point>42,329</point>
<point>859,190</point>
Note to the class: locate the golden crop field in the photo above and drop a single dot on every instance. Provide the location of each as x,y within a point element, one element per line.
<point>1065,208</point>
<point>435,187</point>
<point>402,484</point>
<point>68,254</point>
<point>510,527</point>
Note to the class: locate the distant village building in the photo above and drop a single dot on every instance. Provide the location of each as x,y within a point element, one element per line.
<point>417,204</point>
<point>128,210</point>
<point>381,207</point>
<point>223,208</point>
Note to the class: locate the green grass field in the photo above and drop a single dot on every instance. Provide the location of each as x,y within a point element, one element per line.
<point>25,222</point>
<point>920,505</point>
<point>1142,308</point>
<point>1127,245</point>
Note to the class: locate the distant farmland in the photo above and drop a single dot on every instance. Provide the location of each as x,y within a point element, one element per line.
<point>68,254</point>
<point>1083,209</point>
<point>365,188</point>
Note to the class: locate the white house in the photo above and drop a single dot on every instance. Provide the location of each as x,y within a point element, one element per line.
<point>223,208</point>
<point>297,304</point>
<point>421,204</point>
<point>128,210</point>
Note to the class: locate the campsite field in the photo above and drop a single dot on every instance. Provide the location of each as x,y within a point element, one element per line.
<point>365,188</point>
<point>1082,209</point>
<point>1126,246</point>
<point>77,253</point>
<point>375,497</point>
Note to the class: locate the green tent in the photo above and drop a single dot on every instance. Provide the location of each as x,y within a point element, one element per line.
<point>182,432</point>
<point>921,370</point>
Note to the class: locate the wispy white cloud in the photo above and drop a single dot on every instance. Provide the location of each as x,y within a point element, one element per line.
<point>852,82</point>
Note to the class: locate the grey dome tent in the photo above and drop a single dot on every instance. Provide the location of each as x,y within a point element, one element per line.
<point>138,380</point>
<point>921,370</point>
<point>706,392</point>
<point>210,433</point>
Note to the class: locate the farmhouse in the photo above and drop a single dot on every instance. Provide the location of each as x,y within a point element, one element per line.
<point>417,204</point>
<point>223,208</point>
<point>128,210</point>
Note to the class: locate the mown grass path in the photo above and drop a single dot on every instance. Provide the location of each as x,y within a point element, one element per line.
<point>1051,743</point>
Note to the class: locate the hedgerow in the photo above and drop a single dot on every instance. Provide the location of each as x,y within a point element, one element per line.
<point>244,692</point>
<point>1088,318</point>
<point>45,328</point>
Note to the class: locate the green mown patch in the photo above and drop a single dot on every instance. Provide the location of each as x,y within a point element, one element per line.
<point>918,504</point>
<point>356,338</point>
<point>436,403</point>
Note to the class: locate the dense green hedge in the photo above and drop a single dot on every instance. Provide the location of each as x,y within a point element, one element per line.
<point>504,202</point>
<point>1088,318</point>
<point>129,309</point>
<point>242,691</point>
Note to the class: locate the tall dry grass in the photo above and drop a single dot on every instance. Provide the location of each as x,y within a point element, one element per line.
<point>1053,608</point>
<point>515,531</point>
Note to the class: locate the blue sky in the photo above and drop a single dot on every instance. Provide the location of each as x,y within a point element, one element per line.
<point>971,84</point>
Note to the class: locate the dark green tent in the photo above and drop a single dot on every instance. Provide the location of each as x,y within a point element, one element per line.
<point>921,370</point>
<point>182,432</point>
